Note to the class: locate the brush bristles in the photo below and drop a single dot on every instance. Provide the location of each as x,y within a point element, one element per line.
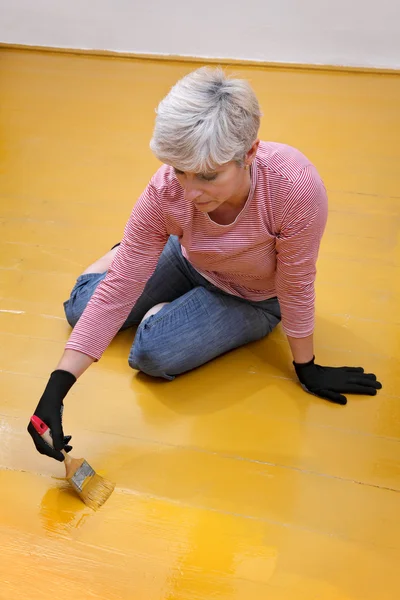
<point>95,491</point>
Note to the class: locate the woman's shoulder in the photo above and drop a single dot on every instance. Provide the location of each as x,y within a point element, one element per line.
<point>281,159</point>
<point>164,179</point>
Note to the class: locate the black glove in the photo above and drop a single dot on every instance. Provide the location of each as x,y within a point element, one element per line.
<point>50,409</point>
<point>332,382</point>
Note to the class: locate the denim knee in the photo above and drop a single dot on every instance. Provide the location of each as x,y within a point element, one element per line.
<point>146,357</point>
<point>70,315</point>
<point>81,293</point>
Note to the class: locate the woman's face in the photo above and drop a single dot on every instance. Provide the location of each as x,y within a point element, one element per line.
<point>229,183</point>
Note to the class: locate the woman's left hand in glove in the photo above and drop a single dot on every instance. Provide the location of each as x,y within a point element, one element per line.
<point>331,383</point>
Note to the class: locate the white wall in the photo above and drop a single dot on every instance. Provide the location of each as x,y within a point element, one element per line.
<point>334,32</point>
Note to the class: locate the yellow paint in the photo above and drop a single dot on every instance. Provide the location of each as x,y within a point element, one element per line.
<point>230,62</point>
<point>231,482</point>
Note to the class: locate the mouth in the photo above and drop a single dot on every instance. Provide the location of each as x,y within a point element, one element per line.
<point>203,203</point>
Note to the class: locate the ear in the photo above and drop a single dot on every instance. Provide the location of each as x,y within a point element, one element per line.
<point>250,156</point>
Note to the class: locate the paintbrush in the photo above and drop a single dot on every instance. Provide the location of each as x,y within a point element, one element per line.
<point>92,489</point>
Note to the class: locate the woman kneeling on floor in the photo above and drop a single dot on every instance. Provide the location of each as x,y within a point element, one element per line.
<point>219,248</point>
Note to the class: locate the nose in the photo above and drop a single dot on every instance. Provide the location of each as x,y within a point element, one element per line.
<point>191,193</point>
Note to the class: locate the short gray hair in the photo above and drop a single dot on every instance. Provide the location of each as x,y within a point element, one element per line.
<point>205,121</point>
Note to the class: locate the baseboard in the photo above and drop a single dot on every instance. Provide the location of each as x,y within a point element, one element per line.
<point>203,60</point>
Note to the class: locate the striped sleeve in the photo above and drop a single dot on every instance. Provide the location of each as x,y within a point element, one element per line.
<point>144,239</point>
<point>303,221</point>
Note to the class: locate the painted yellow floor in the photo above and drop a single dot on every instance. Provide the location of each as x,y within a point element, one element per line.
<point>232,483</point>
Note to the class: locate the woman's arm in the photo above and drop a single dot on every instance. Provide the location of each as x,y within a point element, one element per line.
<point>144,238</point>
<point>301,228</point>
<point>303,216</point>
<point>302,348</point>
<point>75,362</point>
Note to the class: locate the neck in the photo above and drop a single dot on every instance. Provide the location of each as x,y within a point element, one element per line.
<point>240,198</point>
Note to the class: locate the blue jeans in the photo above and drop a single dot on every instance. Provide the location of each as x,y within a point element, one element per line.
<point>200,323</point>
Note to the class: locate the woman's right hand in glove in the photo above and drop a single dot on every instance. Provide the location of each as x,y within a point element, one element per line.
<point>50,410</point>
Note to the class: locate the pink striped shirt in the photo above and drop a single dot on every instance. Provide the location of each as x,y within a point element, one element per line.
<point>269,250</point>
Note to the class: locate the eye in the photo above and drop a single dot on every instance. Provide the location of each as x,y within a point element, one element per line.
<point>210,177</point>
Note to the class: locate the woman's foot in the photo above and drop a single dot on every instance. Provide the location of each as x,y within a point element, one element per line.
<point>154,310</point>
<point>102,264</point>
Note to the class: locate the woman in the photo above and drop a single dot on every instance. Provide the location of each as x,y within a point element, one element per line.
<point>219,248</point>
